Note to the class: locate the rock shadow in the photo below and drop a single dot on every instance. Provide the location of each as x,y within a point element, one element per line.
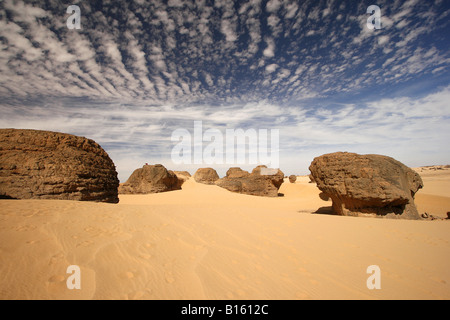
<point>325,210</point>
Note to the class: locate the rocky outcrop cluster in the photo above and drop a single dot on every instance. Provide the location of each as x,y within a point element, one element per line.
<point>261,182</point>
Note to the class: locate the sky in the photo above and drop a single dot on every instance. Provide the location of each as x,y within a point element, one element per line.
<point>138,71</point>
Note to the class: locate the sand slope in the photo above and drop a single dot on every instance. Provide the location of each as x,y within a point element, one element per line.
<point>204,242</point>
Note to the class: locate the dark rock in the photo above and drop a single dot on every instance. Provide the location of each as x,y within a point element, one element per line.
<point>151,179</point>
<point>367,184</point>
<point>237,173</point>
<point>51,165</point>
<point>324,196</point>
<point>206,176</point>
<point>182,175</point>
<point>261,182</point>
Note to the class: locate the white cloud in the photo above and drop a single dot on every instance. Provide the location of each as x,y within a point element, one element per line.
<point>24,12</point>
<point>271,67</point>
<point>13,33</point>
<point>273,5</point>
<point>269,51</point>
<point>274,22</point>
<point>175,3</point>
<point>228,29</point>
<point>272,54</point>
<point>383,40</point>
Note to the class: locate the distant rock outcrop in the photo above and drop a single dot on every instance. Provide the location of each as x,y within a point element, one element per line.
<point>183,175</point>
<point>292,178</point>
<point>236,172</point>
<point>151,179</point>
<point>367,185</point>
<point>206,176</point>
<point>51,165</point>
<point>261,182</point>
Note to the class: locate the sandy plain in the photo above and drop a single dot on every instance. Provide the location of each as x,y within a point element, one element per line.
<point>204,242</point>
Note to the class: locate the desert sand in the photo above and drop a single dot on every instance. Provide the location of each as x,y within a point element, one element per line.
<point>204,242</point>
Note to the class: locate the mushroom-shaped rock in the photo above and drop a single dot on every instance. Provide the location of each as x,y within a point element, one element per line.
<point>367,184</point>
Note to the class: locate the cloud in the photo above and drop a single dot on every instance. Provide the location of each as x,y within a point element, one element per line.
<point>269,51</point>
<point>273,5</point>
<point>138,69</point>
<point>18,43</point>
<point>271,67</point>
<point>228,29</point>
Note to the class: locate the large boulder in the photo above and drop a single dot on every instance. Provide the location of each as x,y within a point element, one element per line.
<point>206,176</point>
<point>367,185</point>
<point>292,178</point>
<point>151,179</point>
<point>50,165</point>
<point>261,182</point>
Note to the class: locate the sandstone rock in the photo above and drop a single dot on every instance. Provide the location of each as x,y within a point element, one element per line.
<point>236,172</point>
<point>182,175</point>
<point>367,184</point>
<point>206,176</point>
<point>151,179</point>
<point>292,178</point>
<point>51,165</point>
<point>324,196</point>
<point>431,217</point>
<point>257,183</point>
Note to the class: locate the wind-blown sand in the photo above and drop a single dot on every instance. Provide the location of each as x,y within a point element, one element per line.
<point>204,242</point>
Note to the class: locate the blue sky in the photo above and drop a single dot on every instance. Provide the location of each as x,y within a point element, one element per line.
<point>138,70</point>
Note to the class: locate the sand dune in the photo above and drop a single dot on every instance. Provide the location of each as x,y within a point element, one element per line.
<point>203,242</point>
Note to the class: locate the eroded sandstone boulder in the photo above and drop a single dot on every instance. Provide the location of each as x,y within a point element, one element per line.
<point>367,184</point>
<point>182,175</point>
<point>51,165</point>
<point>206,176</point>
<point>261,182</point>
<point>292,178</point>
<point>151,179</point>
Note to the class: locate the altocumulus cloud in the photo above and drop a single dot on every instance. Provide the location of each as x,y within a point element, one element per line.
<point>138,70</point>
